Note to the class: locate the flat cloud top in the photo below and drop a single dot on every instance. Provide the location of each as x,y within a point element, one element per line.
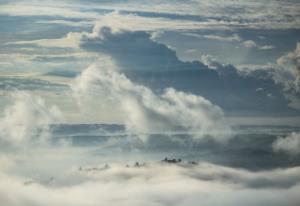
<point>158,184</point>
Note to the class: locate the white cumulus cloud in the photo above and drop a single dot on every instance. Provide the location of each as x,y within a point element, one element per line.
<point>145,111</point>
<point>289,72</point>
<point>289,144</point>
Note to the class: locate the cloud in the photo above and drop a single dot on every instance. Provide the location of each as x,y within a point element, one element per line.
<point>134,22</point>
<point>117,22</point>
<point>69,41</point>
<point>158,67</point>
<point>159,185</point>
<point>250,44</point>
<point>124,46</point>
<point>229,38</point>
<point>266,47</point>
<point>146,112</point>
<point>294,100</point>
<point>81,23</point>
<point>285,73</point>
<point>290,69</point>
<point>28,83</point>
<point>211,62</point>
<point>6,162</point>
<point>281,14</point>
<point>232,38</point>
<point>44,10</point>
<point>289,144</point>
<point>278,178</point>
<point>27,120</point>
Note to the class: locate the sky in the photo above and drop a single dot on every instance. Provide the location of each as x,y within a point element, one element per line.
<point>242,56</point>
<point>149,102</point>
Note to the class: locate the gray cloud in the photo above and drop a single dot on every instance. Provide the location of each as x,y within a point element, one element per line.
<point>158,67</point>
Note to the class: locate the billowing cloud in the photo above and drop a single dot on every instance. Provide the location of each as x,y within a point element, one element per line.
<point>27,119</point>
<point>288,75</point>
<point>146,112</point>
<point>284,73</point>
<point>289,144</point>
<point>158,67</point>
<point>290,69</point>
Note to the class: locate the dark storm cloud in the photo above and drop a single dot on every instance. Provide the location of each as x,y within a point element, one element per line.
<point>157,66</point>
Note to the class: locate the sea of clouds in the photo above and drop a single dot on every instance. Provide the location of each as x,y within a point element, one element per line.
<point>34,172</point>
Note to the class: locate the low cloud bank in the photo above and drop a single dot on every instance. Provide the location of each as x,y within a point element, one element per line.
<point>147,112</point>
<point>161,185</point>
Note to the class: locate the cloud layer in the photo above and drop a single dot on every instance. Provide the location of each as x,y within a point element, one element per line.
<point>161,185</point>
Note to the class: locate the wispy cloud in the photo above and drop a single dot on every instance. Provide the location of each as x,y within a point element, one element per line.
<point>234,37</point>
<point>26,120</point>
<point>250,44</point>
<point>222,14</point>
